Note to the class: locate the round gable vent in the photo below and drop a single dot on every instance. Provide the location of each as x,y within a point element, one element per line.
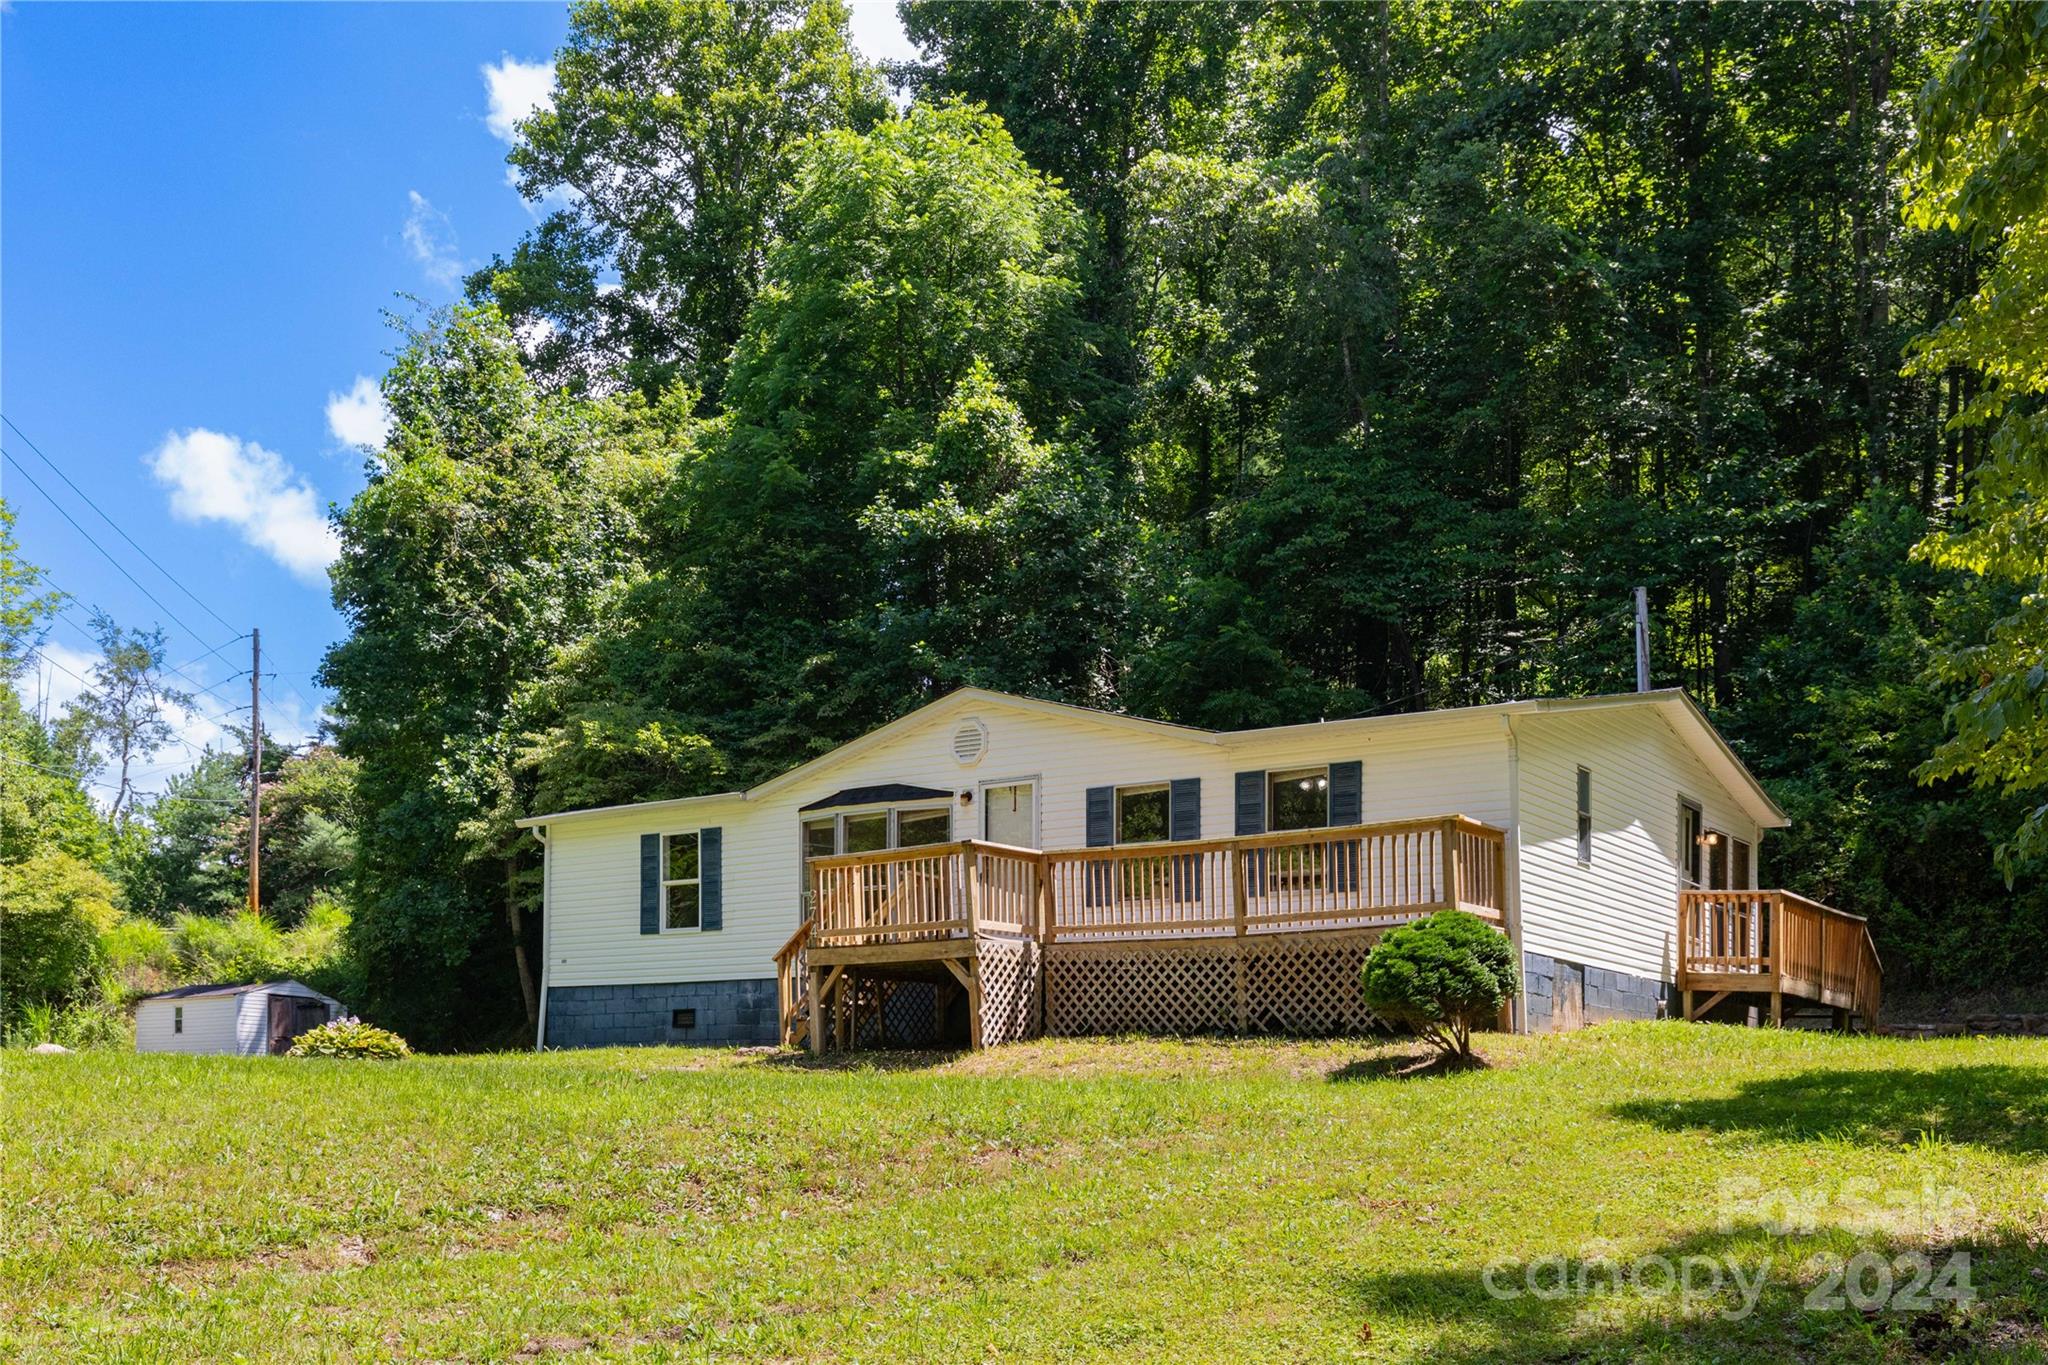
<point>970,742</point>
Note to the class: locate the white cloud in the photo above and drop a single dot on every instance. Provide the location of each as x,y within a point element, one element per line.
<point>877,31</point>
<point>432,239</point>
<point>55,678</point>
<point>359,417</point>
<point>515,90</point>
<point>216,477</point>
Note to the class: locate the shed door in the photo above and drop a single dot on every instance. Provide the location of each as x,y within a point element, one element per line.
<point>291,1015</point>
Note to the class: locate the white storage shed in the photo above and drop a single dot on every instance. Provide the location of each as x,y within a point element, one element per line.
<point>243,1021</point>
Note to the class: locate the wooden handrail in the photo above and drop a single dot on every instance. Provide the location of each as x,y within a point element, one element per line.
<point>1780,942</point>
<point>1362,875</point>
<point>890,855</point>
<point>792,983</point>
<point>795,943</point>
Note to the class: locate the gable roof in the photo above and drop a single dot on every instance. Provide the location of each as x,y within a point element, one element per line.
<point>246,988</point>
<point>1684,716</point>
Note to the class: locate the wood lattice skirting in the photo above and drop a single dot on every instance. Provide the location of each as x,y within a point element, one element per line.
<point>1009,970</point>
<point>1300,983</point>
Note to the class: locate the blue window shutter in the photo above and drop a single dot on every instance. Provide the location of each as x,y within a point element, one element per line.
<point>650,883</point>
<point>1184,821</point>
<point>1347,793</point>
<point>1101,833</point>
<point>1101,816</point>
<point>1251,819</point>
<point>711,868</point>
<point>1251,803</point>
<point>1184,807</point>
<point>1347,807</point>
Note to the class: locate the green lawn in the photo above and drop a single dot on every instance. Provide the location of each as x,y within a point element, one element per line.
<point>1175,1201</point>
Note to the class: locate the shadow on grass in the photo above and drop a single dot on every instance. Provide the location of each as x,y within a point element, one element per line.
<point>1740,1295</point>
<point>1995,1106</point>
<point>861,1059</point>
<point>1404,1066</point>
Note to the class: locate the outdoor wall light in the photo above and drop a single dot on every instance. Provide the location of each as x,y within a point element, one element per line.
<point>966,798</point>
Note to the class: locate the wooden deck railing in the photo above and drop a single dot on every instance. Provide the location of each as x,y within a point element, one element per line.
<point>1778,942</point>
<point>908,895</point>
<point>1358,876</point>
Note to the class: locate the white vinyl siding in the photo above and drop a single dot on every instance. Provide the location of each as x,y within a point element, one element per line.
<point>1420,766</point>
<point>209,1025</point>
<point>1619,910</point>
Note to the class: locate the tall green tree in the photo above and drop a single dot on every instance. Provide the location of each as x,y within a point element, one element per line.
<point>672,131</point>
<point>893,504</point>
<point>188,863</point>
<point>25,608</point>
<point>1088,88</point>
<point>123,716</point>
<point>485,542</point>
<point>1983,171</point>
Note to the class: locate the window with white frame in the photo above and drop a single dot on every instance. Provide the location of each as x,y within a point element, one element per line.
<point>866,832</point>
<point>821,838</point>
<point>869,831</point>
<point>1298,798</point>
<point>1143,813</point>
<point>682,885</point>
<point>916,828</point>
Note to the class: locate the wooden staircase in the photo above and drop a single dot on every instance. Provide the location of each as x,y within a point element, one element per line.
<point>1774,944</point>
<point>792,986</point>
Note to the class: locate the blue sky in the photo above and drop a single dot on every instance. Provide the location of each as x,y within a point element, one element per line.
<point>205,211</point>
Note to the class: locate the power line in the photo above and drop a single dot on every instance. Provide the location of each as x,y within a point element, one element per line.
<point>111,522</point>
<point>225,722</point>
<point>174,672</point>
<point>20,469</point>
<point>211,652</point>
<point>115,787</point>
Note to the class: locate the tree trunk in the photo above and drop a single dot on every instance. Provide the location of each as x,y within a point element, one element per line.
<point>517,919</point>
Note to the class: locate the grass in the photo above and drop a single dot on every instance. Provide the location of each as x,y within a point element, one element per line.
<point>1060,1200</point>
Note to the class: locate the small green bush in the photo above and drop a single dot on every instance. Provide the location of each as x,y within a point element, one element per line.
<point>1441,977</point>
<point>350,1038</point>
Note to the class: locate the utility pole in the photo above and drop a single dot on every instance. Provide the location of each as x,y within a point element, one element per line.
<point>255,770</point>
<point>1642,639</point>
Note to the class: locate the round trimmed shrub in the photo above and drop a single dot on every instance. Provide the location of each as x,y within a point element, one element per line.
<point>1441,977</point>
<point>350,1038</point>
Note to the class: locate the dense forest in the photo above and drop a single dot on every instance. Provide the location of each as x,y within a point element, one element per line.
<point>1235,364</point>
<point>1228,363</point>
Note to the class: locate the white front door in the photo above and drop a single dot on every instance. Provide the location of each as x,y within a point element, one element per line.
<point>1009,814</point>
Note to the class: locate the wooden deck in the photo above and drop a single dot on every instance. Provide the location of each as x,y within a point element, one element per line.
<point>1261,931</point>
<point>985,917</point>
<point>1775,945</point>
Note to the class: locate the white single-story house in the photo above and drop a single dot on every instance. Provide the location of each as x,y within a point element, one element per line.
<point>243,1021</point>
<point>1062,840</point>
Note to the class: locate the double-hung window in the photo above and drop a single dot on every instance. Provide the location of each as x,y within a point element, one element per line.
<point>177,1018</point>
<point>1298,798</point>
<point>682,885</point>
<point>1143,813</point>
